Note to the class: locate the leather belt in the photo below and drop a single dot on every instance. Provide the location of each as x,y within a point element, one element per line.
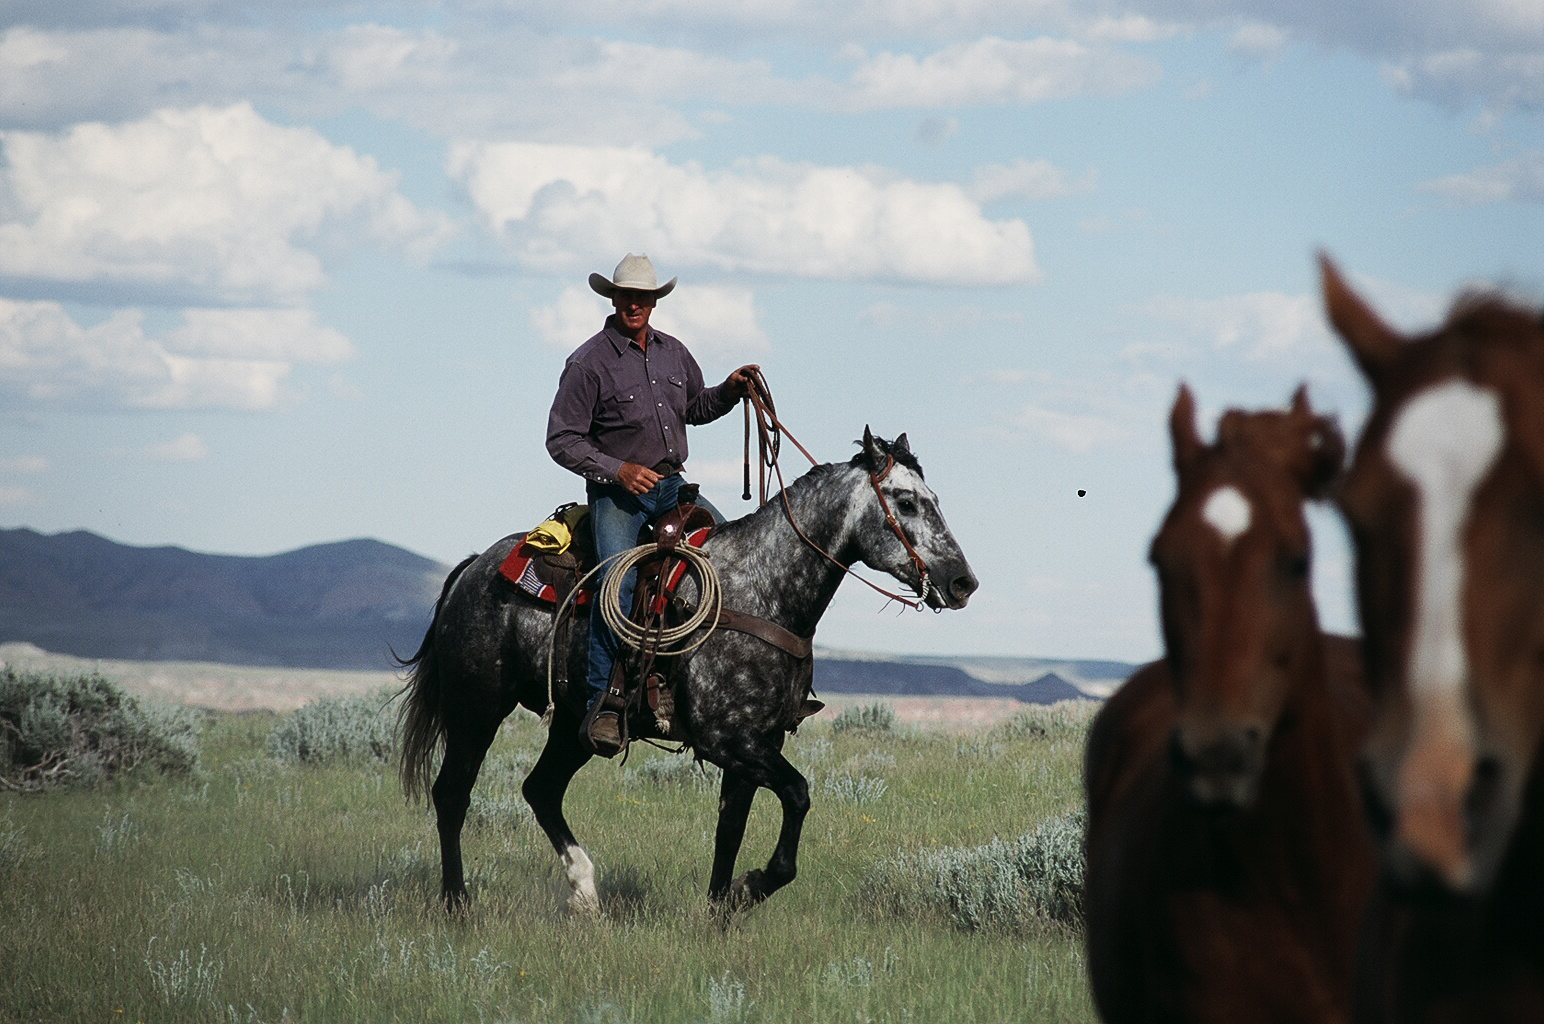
<point>667,468</point>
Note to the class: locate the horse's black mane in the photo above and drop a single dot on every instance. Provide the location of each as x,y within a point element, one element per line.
<point>902,455</point>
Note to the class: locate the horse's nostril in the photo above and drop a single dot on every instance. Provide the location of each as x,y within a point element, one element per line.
<point>1179,757</point>
<point>1483,791</point>
<point>963,586</point>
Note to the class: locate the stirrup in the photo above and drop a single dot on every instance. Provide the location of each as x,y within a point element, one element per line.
<point>604,746</point>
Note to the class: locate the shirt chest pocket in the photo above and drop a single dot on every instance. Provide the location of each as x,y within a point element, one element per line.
<point>620,408</point>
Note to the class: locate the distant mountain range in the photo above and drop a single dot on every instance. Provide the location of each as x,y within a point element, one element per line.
<point>348,605</point>
<point>343,605</point>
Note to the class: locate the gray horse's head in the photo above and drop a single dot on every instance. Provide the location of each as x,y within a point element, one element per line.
<point>939,571</point>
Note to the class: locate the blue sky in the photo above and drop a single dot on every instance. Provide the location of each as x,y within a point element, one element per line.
<point>275,275</point>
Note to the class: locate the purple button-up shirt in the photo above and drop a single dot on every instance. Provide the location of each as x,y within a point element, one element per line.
<point>620,403</point>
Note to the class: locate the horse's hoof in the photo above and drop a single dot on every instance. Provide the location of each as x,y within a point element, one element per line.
<point>584,904</point>
<point>456,902</point>
<point>746,891</point>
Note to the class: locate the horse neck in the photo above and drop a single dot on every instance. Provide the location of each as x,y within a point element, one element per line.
<point>1309,774</point>
<point>770,571</point>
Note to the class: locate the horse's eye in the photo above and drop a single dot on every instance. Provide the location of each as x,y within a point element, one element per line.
<point>906,507</point>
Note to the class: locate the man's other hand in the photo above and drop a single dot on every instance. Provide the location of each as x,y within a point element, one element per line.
<point>636,479</point>
<point>739,382</point>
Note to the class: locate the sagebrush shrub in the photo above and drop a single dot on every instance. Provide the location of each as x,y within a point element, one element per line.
<point>675,772</point>
<point>1064,720</point>
<point>853,789</point>
<point>337,729</point>
<point>1002,884</point>
<point>876,717</point>
<point>83,729</point>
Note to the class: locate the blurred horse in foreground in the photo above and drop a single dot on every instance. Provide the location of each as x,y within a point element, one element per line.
<point>1227,862</point>
<point>1445,501</point>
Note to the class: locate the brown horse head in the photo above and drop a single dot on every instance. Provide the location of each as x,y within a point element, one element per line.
<point>1445,502</point>
<point>1232,562</point>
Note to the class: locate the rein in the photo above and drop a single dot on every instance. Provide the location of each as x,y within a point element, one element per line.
<point>770,431</point>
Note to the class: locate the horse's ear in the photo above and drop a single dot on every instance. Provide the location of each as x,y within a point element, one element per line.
<point>1326,457</point>
<point>873,454</point>
<point>1324,447</point>
<point>901,445</point>
<point>1372,342</point>
<point>1182,429</point>
<point>1300,407</point>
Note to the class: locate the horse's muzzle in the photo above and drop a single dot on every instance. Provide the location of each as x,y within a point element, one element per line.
<point>1221,770</point>
<point>958,592</point>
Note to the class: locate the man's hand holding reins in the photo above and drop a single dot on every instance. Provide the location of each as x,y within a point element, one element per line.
<point>739,382</point>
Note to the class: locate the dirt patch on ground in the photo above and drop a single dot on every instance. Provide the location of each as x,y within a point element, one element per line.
<point>205,685</point>
<point>245,688</point>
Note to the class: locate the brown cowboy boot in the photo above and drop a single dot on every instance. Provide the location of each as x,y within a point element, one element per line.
<point>601,730</point>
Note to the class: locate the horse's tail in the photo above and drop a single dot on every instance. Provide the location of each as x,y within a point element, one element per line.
<point>421,720</point>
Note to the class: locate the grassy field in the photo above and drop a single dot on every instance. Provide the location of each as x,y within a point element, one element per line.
<point>260,890</point>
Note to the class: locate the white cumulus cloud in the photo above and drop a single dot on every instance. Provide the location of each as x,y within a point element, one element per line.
<point>553,202</point>
<point>216,203</point>
<point>1266,324</point>
<point>1517,180</point>
<point>716,323</point>
<point>1076,432</point>
<point>46,356</point>
<point>1028,179</point>
<point>184,448</point>
<point>996,71</point>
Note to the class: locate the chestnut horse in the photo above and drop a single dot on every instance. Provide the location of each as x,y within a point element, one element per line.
<point>1445,501</point>
<point>1227,860</point>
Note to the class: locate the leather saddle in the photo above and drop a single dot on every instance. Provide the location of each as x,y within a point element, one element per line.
<point>644,677</point>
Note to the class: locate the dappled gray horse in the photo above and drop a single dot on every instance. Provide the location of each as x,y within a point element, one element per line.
<point>737,695</point>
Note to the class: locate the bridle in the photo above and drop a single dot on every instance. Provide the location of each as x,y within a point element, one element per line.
<point>770,431</point>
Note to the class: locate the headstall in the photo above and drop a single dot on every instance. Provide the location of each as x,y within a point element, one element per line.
<point>770,430</point>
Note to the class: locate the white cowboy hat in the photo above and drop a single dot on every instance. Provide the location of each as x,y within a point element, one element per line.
<point>635,274</point>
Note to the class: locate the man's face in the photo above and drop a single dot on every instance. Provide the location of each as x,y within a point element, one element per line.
<point>633,308</point>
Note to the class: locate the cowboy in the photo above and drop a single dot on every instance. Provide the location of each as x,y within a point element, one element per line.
<point>619,420</point>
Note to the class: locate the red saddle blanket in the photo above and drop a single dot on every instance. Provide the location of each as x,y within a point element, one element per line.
<point>547,576</point>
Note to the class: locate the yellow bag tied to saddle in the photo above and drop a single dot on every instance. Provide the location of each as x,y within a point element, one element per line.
<point>555,533</point>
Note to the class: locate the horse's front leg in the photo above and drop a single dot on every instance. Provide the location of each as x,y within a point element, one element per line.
<point>544,788</point>
<point>734,807</point>
<point>775,773</point>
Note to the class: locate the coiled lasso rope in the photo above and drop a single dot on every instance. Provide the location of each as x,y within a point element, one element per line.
<point>710,603</point>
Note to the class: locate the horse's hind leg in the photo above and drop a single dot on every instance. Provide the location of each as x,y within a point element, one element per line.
<point>544,788</point>
<point>465,748</point>
<point>772,770</point>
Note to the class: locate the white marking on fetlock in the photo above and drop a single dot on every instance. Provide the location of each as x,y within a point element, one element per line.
<point>1228,512</point>
<point>581,879</point>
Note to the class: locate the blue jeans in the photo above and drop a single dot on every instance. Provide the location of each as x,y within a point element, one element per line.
<point>615,519</point>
